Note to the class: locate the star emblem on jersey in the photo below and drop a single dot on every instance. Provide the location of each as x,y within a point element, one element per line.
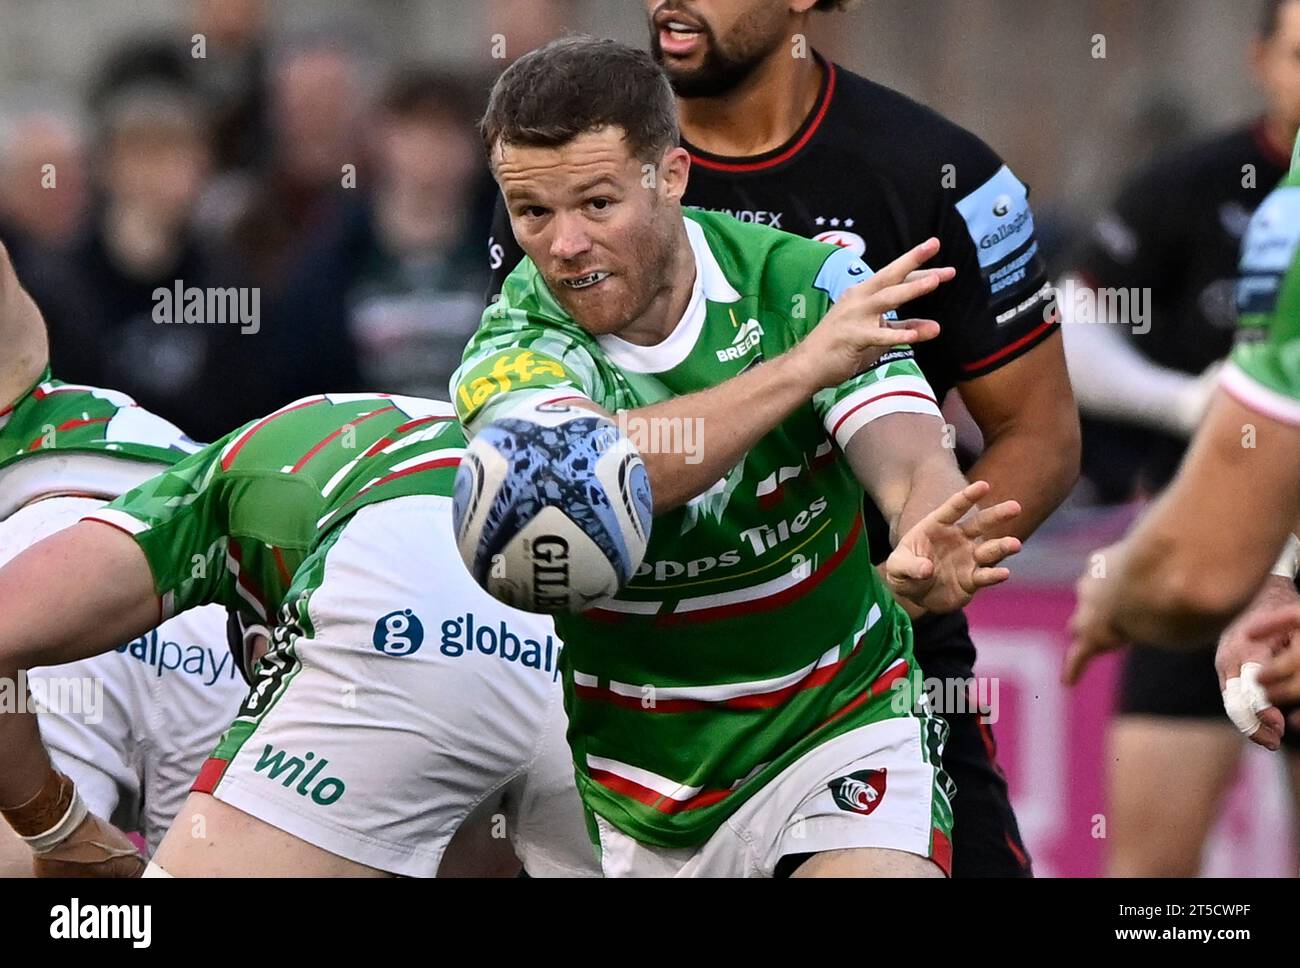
<point>859,792</point>
<point>834,222</point>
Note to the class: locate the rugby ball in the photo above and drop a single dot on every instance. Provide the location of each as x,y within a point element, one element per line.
<point>552,509</point>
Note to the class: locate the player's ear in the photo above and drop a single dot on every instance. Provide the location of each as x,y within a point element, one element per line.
<point>674,171</point>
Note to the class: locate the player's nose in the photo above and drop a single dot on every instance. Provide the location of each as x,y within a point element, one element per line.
<point>570,239</point>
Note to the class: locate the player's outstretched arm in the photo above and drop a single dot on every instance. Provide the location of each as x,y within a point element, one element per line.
<point>735,415</point>
<point>24,347</point>
<point>79,592</point>
<point>945,548</point>
<point>1199,554</point>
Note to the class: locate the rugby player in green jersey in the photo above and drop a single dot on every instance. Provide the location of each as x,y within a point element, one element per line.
<point>1200,554</point>
<point>746,704</point>
<point>398,705</point>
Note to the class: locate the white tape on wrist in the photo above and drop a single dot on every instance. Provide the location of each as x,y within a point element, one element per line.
<point>1244,698</point>
<point>153,870</point>
<point>1288,562</point>
<point>43,843</point>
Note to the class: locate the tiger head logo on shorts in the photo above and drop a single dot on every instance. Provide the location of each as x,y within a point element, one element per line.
<point>859,792</point>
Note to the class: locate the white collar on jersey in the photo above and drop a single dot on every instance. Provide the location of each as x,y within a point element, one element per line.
<point>710,286</point>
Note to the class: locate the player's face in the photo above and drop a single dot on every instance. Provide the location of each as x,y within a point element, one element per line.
<point>1278,63</point>
<point>600,225</point>
<point>708,47</point>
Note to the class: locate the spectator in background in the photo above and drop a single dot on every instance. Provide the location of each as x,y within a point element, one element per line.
<point>388,298</point>
<point>151,163</point>
<point>231,79</point>
<point>41,208</point>
<point>316,95</point>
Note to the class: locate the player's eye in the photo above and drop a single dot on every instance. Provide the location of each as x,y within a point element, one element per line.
<point>532,211</point>
<point>601,204</point>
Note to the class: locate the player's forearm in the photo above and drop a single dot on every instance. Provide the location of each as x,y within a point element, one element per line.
<point>932,480</point>
<point>690,442</point>
<point>73,595</point>
<point>1035,465</point>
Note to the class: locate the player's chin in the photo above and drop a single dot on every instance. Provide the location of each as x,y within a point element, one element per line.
<point>601,310</point>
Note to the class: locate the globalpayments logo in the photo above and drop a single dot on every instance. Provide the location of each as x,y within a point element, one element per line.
<point>398,633</point>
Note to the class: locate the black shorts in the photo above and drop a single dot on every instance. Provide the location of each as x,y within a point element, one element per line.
<point>985,836</point>
<point>1181,684</point>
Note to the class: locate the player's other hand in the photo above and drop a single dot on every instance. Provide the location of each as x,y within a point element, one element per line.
<point>945,559</point>
<point>1244,653</point>
<point>95,849</point>
<point>854,333</point>
<point>1092,632</point>
<point>1280,674</point>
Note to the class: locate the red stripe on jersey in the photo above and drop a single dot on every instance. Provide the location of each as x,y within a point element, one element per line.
<point>210,774</point>
<point>790,152</point>
<point>941,850</point>
<point>1010,348</point>
<point>379,445</point>
<point>239,444</point>
<point>431,465</point>
<point>281,567</point>
<point>653,798</point>
<point>243,577</point>
<point>881,396</point>
<point>68,425</point>
<point>769,602</point>
<point>887,679</point>
<point>316,449</point>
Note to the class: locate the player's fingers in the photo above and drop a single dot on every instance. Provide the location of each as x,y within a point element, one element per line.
<point>991,552</point>
<point>905,264</point>
<point>989,519</point>
<point>907,331</point>
<point>1280,678</point>
<point>955,508</point>
<point>987,577</point>
<point>1271,726</point>
<point>1278,621</point>
<point>905,566</point>
<point>886,300</point>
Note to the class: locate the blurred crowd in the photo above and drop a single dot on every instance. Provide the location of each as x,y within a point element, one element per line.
<point>350,194</point>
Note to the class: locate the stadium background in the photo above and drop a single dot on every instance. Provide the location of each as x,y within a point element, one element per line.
<point>355,290</point>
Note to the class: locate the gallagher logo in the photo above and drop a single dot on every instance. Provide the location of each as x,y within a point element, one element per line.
<point>859,792</point>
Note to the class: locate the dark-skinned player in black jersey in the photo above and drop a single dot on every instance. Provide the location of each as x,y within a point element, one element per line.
<point>1175,231</point>
<point>779,136</point>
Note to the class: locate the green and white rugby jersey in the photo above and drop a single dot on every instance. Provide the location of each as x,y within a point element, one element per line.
<point>1264,370</point>
<point>757,628</point>
<point>233,523</point>
<point>69,439</point>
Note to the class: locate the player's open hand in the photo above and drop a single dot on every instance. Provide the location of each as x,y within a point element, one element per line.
<point>854,334</point>
<point>1244,652</point>
<point>945,559</point>
<point>95,849</point>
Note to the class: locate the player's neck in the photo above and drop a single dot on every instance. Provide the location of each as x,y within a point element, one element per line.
<point>760,114</point>
<point>668,307</point>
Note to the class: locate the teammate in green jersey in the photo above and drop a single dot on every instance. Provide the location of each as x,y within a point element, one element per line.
<point>1198,556</point>
<point>398,706</point>
<point>746,701</point>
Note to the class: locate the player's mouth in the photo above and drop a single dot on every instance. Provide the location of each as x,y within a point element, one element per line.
<point>678,37</point>
<point>585,282</point>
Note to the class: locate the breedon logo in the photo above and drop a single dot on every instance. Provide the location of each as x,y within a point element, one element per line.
<point>859,792</point>
<point>746,339</point>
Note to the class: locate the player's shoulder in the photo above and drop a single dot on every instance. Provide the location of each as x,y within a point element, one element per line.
<point>919,137</point>
<point>755,259</point>
<point>1194,166</point>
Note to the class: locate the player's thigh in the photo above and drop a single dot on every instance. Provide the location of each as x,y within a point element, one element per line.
<point>868,862</point>
<point>1167,777</point>
<point>209,838</point>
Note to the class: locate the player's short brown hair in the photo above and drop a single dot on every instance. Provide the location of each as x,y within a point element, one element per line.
<point>578,84</point>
